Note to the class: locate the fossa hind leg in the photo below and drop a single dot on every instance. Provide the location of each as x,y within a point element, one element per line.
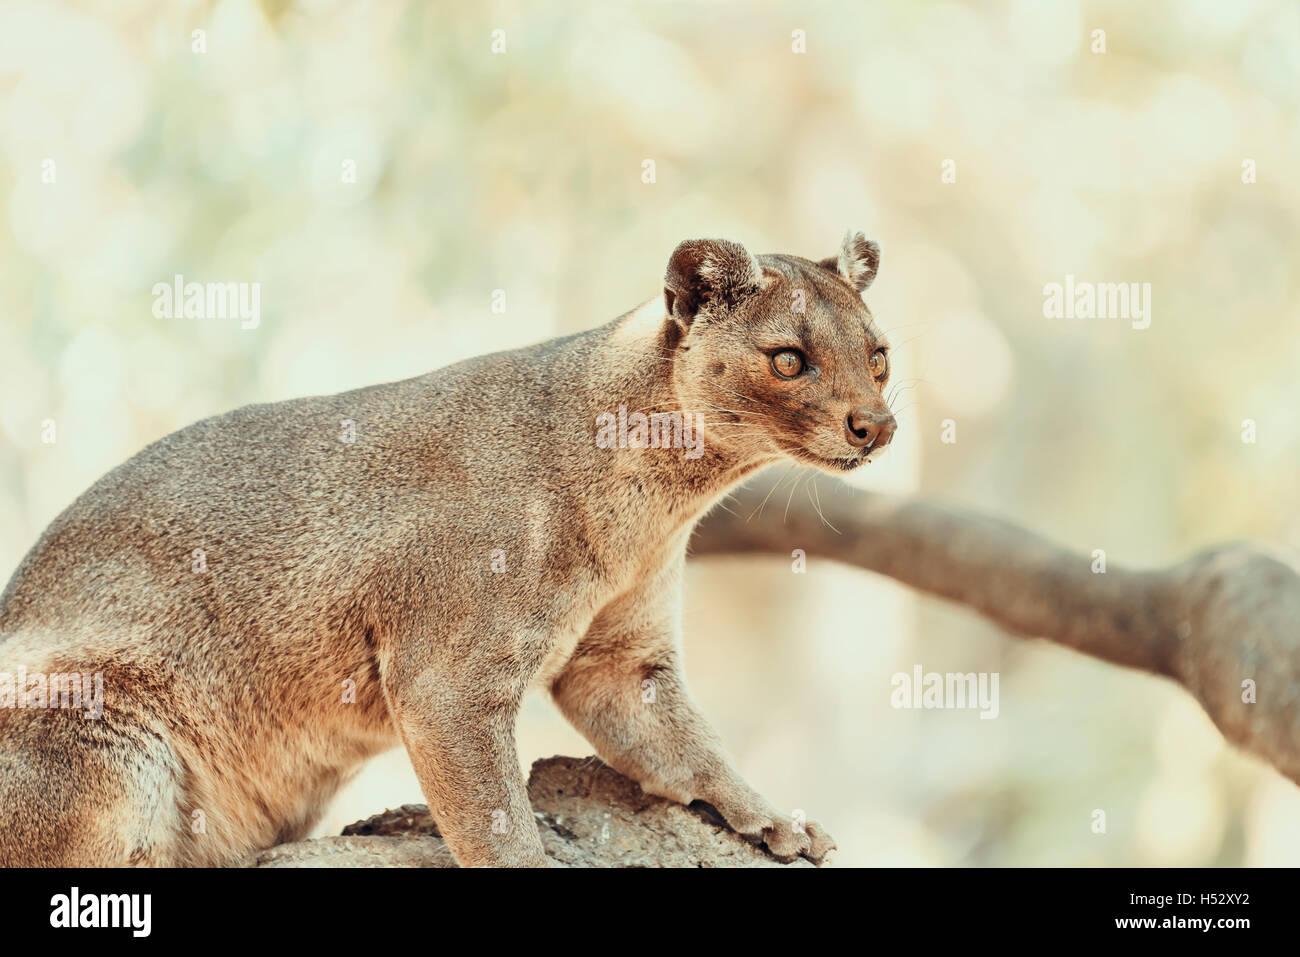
<point>81,793</point>
<point>456,714</point>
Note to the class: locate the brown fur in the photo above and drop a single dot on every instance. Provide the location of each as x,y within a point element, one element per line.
<point>372,561</point>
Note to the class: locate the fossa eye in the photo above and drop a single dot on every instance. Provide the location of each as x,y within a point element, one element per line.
<point>787,364</point>
<point>878,365</point>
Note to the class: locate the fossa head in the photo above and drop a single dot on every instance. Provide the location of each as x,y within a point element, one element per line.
<point>778,354</point>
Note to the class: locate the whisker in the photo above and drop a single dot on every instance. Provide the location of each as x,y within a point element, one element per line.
<point>770,491</point>
<point>750,398</point>
<point>907,325</point>
<point>793,488</point>
<point>818,504</point>
<point>898,345</point>
<point>735,411</point>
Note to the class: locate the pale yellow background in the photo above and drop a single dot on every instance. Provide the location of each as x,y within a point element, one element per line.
<point>523,172</point>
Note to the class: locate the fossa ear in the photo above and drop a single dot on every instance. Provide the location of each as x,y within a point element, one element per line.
<point>708,271</point>
<point>857,261</point>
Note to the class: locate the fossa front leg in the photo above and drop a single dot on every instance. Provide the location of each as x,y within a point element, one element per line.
<point>624,690</point>
<point>456,711</point>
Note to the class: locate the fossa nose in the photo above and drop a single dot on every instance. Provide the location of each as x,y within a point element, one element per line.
<point>867,429</point>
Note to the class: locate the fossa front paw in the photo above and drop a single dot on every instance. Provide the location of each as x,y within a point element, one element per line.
<point>785,838</point>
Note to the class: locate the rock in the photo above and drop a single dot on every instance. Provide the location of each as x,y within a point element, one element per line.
<point>588,815</point>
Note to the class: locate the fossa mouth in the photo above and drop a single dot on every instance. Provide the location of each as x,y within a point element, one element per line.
<point>843,464</point>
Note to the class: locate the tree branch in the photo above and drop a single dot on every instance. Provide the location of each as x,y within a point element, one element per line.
<point>1210,623</point>
<point>588,815</point>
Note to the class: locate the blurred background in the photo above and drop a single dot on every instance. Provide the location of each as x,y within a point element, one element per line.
<point>380,170</point>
